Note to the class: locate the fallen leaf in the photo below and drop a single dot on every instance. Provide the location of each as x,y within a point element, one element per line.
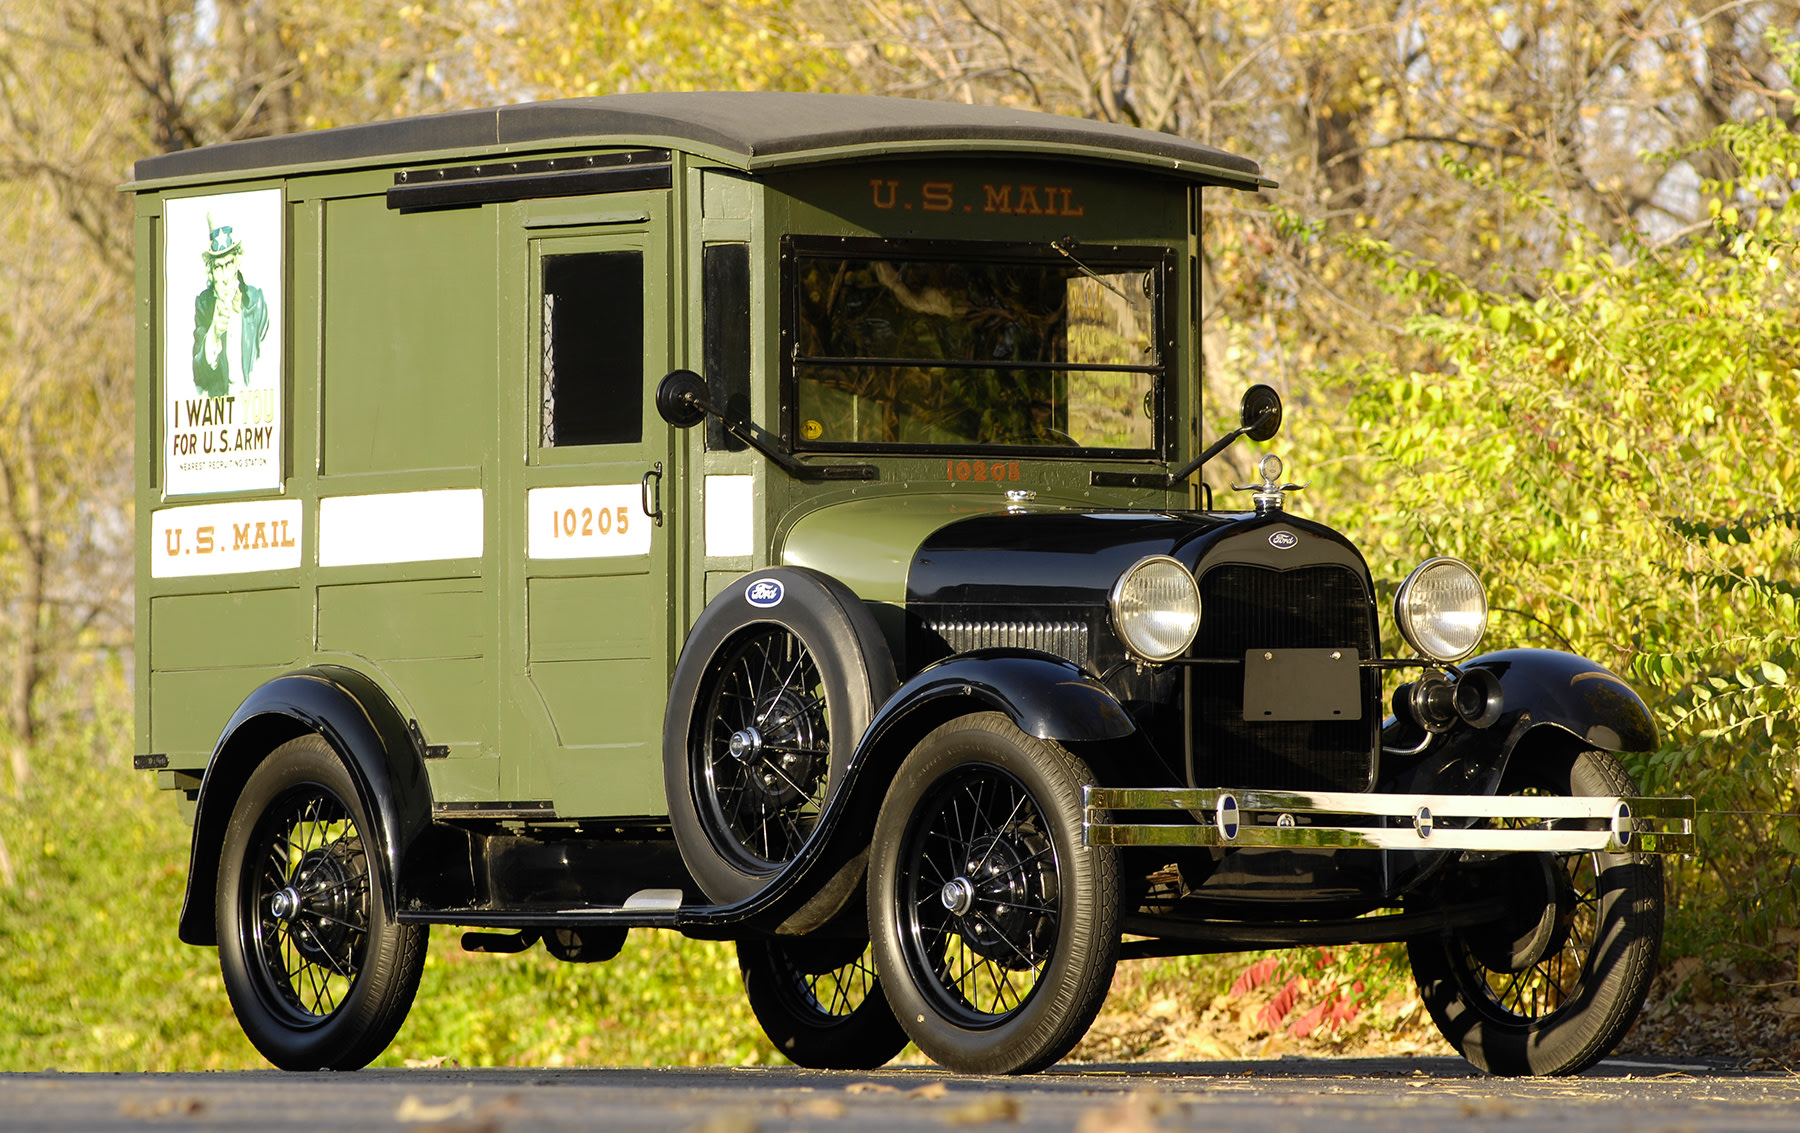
<point>727,1121</point>
<point>1129,1116</point>
<point>819,1107</point>
<point>414,1109</point>
<point>929,1093</point>
<point>163,1107</point>
<point>870,1088</point>
<point>985,1111</point>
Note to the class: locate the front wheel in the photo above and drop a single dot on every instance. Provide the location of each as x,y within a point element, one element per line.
<point>820,1002</point>
<point>319,973</point>
<point>995,929</point>
<point>1555,985</point>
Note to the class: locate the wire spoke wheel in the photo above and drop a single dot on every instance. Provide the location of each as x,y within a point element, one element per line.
<point>310,899</point>
<point>980,895</point>
<point>762,764</point>
<point>996,927</point>
<point>1553,984</point>
<point>838,992</point>
<point>776,684</point>
<point>318,970</point>
<point>1548,976</point>
<point>819,1001</point>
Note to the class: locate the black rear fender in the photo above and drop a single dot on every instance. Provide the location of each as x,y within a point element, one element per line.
<point>361,724</point>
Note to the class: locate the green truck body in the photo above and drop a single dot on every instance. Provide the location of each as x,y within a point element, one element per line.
<point>773,517</point>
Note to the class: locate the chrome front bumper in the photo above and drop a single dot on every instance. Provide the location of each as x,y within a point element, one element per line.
<point>1356,821</point>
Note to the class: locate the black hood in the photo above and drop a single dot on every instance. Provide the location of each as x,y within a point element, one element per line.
<point>1060,560</point>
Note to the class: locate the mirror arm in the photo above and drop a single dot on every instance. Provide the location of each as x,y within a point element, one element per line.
<point>1177,477</point>
<point>757,439</point>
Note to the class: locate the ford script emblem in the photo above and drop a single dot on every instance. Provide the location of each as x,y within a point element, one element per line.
<point>764,594</point>
<point>1284,540</point>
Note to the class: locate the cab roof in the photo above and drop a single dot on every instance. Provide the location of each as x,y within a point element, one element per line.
<point>752,131</point>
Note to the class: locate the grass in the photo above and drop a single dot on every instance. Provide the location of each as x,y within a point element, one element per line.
<point>93,978</point>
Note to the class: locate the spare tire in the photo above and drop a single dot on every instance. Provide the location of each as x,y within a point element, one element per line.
<point>775,686</point>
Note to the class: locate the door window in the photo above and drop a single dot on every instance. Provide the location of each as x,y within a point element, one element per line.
<point>593,349</point>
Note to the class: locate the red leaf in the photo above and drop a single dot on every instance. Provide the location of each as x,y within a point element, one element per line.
<point>1277,1009</point>
<point>1255,976</point>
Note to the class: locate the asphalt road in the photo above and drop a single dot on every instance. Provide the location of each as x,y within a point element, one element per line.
<point>1288,1096</point>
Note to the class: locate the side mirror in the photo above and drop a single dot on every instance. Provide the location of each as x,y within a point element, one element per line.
<point>681,398</point>
<point>682,401</point>
<point>1259,413</point>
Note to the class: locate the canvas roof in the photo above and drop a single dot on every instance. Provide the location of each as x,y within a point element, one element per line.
<point>753,131</point>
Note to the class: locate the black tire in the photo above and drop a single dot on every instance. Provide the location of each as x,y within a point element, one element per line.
<point>319,974</point>
<point>820,1003</point>
<point>794,682</point>
<point>995,929</point>
<point>1555,987</point>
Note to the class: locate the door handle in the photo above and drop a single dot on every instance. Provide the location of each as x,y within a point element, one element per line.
<point>652,495</point>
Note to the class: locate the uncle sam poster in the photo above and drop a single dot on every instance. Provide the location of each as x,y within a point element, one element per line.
<point>222,342</point>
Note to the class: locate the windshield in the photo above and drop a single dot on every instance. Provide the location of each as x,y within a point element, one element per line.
<point>931,352</point>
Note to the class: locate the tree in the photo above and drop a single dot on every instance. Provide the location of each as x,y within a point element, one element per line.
<point>1614,451</point>
<point>575,48</point>
<point>87,87</point>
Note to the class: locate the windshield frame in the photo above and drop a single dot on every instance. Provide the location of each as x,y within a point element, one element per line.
<point>1158,259</point>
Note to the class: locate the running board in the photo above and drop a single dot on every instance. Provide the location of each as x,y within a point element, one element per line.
<point>647,908</point>
<point>1358,821</point>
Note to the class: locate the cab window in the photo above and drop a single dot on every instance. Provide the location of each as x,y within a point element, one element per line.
<point>955,347</point>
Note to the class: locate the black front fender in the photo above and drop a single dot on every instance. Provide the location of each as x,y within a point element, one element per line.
<point>1547,696</point>
<point>360,722</point>
<point>1543,686</point>
<point>1045,696</point>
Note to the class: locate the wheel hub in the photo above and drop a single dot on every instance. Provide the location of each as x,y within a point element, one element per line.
<point>316,907</point>
<point>777,749</point>
<point>994,900</point>
<point>284,904</point>
<point>745,745</point>
<point>958,896</point>
<point>1539,909</point>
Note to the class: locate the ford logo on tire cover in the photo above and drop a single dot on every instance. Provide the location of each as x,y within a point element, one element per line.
<point>1284,540</point>
<point>764,593</point>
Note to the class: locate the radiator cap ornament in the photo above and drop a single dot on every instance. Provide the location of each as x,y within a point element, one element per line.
<point>1268,495</point>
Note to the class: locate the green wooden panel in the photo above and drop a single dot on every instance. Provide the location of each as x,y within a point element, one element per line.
<point>216,631</point>
<point>190,708</point>
<point>402,620</point>
<point>453,700</point>
<point>457,780</point>
<point>409,360</point>
<point>608,716</point>
<point>574,619</point>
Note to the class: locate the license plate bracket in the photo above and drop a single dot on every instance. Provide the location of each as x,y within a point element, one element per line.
<point>1302,684</point>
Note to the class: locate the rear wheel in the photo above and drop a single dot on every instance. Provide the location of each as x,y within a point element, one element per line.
<point>996,930</point>
<point>1554,985</point>
<point>320,975</point>
<point>820,1003</point>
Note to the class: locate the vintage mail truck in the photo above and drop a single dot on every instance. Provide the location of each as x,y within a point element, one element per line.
<point>779,518</point>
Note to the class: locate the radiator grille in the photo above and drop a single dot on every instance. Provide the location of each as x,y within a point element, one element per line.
<point>1247,607</point>
<point>1068,640</point>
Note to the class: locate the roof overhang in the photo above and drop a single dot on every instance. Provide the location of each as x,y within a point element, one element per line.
<point>756,132</point>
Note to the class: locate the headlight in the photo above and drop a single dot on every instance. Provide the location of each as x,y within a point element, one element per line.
<point>1156,608</point>
<point>1442,609</point>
